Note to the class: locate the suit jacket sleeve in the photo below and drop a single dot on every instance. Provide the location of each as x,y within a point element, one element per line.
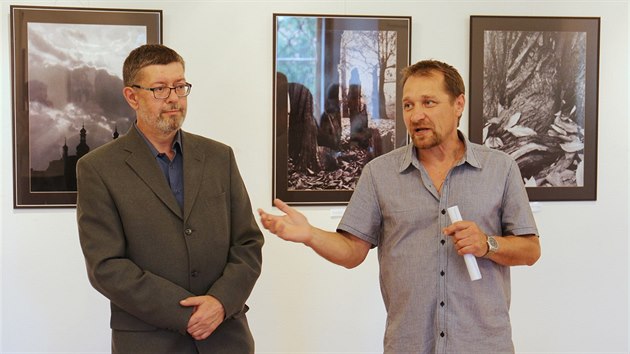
<point>244,257</point>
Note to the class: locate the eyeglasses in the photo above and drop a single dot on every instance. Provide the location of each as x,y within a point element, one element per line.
<point>163,92</point>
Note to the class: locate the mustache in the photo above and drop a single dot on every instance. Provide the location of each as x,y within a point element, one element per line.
<point>172,108</point>
<point>421,126</point>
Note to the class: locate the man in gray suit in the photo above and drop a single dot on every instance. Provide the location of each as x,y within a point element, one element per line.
<point>166,225</point>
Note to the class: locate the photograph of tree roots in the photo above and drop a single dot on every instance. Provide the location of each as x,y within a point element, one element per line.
<point>535,102</point>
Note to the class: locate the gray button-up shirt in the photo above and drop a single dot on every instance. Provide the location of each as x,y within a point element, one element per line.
<point>432,305</point>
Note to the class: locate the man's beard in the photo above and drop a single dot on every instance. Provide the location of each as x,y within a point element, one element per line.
<point>170,123</point>
<point>165,123</point>
<point>426,142</point>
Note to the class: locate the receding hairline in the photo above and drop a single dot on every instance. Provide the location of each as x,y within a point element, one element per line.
<point>452,79</point>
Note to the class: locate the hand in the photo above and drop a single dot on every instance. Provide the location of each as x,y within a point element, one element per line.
<point>207,315</point>
<point>291,227</point>
<point>467,238</point>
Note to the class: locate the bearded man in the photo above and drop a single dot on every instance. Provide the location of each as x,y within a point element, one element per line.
<point>166,224</point>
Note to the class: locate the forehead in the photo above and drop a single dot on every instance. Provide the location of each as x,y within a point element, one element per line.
<point>162,73</point>
<point>426,84</point>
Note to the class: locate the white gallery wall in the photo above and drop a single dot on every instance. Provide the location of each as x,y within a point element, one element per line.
<point>575,299</point>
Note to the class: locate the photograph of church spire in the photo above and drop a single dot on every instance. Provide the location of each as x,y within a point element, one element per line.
<point>61,174</point>
<point>67,91</point>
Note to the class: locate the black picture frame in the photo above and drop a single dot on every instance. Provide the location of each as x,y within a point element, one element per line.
<point>336,94</point>
<point>66,93</point>
<point>534,95</point>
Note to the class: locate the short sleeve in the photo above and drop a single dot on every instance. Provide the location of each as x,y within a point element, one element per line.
<point>363,217</point>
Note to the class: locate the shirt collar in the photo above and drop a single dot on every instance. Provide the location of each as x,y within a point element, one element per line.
<point>410,157</point>
<point>177,142</point>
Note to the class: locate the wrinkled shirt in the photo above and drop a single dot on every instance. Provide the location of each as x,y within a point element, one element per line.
<point>432,305</point>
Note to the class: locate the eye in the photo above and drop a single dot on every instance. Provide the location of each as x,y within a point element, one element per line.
<point>429,103</point>
<point>182,89</point>
<point>159,90</point>
<point>407,106</point>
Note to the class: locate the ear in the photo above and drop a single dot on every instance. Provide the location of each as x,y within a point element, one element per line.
<point>460,103</point>
<point>131,97</point>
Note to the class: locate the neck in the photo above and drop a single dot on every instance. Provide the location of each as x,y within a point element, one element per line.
<point>449,152</point>
<point>439,160</point>
<point>162,142</point>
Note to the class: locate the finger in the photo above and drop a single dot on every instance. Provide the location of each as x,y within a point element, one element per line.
<point>201,335</point>
<point>454,227</point>
<point>264,219</point>
<point>195,333</point>
<point>449,230</point>
<point>199,328</point>
<point>466,249</point>
<point>194,326</point>
<point>202,330</point>
<point>453,232</point>
<point>269,223</point>
<point>264,216</point>
<point>202,323</point>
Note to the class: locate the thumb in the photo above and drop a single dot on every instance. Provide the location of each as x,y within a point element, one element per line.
<point>283,206</point>
<point>191,301</point>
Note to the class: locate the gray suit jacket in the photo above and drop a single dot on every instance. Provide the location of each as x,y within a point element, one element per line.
<point>145,254</point>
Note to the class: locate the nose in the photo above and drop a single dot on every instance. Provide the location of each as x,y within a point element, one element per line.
<point>417,114</point>
<point>172,96</point>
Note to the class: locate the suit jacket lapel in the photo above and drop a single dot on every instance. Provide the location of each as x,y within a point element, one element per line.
<point>193,171</point>
<point>145,166</point>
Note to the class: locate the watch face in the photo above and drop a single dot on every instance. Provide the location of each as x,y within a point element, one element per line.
<point>493,244</point>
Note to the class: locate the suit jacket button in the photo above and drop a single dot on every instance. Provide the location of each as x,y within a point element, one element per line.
<point>194,273</point>
<point>188,232</point>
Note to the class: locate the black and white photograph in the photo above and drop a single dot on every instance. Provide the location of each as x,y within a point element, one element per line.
<point>534,96</point>
<point>336,101</point>
<point>68,82</point>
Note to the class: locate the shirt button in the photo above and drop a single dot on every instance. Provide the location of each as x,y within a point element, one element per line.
<point>442,334</point>
<point>442,304</point>
<point>188,232</point>
<point>442,273</point>
<point>443,212</point>
<point>443,242</point>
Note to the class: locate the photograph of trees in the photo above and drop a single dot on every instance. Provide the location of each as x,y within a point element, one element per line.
<point>339,80</point>
<point>535,100</point>
<point>533,103</point>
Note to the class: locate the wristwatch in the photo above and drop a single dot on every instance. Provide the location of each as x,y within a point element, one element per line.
<point>493,246</point>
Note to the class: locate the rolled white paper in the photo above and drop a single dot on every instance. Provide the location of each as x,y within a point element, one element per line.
<point>470,259</point>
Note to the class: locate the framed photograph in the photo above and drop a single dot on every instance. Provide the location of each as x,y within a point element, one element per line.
<point>336,101</point>
<point>534,95</point>
<point>67,92</point>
